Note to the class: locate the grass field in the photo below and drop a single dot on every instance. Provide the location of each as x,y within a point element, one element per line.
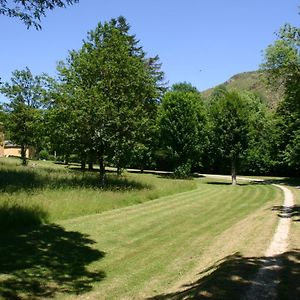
<point>200,238</point>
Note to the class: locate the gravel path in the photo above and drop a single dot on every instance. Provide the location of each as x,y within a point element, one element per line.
<point>266,280</point>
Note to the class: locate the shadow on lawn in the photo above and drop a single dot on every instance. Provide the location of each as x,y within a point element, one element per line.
<point>26,179</point>
<point>231,278</point>
<point>288,212</point>
<point>239,183</point>
<point>45,261</point>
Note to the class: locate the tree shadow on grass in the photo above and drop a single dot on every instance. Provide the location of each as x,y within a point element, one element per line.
<point>219,183</point>
<point>241,183</point>
<point>232,277</point>
<point>45,261</point>
<point>25,179</point>
<point>288,212</point>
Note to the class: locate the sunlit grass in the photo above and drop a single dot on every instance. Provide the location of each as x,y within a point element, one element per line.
<point>158,247</point>
<point>196,238</point>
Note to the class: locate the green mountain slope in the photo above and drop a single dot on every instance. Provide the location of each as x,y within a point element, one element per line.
<point>251,81</point>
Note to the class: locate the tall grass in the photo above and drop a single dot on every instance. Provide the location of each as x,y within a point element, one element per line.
<point>51,190</point>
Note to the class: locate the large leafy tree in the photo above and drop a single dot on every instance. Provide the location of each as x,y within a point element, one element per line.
<point>282,66</point>
<point>31,11</point>
<point>111,90</point>
<point>182,125</point>
<point>260,155</point>
<point>229,118</point>
<point>24,119</point>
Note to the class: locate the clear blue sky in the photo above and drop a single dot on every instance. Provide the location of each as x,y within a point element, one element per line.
<point>200,41</point>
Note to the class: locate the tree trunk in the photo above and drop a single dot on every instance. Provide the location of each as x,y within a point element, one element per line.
<point>37,153</point>
<point>119,171</point>
<point>23,155</point>
<point>233,172</point>
<point>102,170</point>
<point>91,166</point>
<point>82,165</point>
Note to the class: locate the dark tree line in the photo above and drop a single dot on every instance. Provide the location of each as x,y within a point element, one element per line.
<point>109,105</point>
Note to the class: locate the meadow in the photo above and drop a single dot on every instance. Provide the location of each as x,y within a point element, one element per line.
<point>52,192</point>
<point>144,236</point>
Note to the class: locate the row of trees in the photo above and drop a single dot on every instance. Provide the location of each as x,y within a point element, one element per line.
<point>109,104</point>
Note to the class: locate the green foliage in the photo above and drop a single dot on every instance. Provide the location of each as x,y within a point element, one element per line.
<point>281,62</point>
<point>259,157</point>
<point>44,154</point>
<point>30,12</point>
<point>182,124</point>
<point>230,124</point>
<point>239,131</point>
<point>24,115</point>
<point>110,91</point>
<point>183,170</point>
<point>282,65</point>
<point>185,87</point>
<point>292,152</point>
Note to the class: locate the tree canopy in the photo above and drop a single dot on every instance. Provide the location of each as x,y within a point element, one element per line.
<point>26,93</point>
<point>182,124</point>
<point>282,65</point>
<point>110,89</point>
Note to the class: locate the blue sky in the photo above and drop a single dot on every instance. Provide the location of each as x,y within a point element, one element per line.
<point>199,41</point>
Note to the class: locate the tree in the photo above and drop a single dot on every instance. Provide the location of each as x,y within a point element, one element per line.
<point>2,121</point>
<point>112,89</point>
<point>229,117</point>
<point>182,124</point>
<point>184,87</point>
<point>259,157</point>
<point>31,11</point>
<point>282,66</point>
<point>26,93</point>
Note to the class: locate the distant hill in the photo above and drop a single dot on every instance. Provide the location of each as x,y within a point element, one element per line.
<point>251,81</point>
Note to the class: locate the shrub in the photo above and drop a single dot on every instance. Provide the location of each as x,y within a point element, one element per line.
<point>183,171</point>
<point>44,154</point>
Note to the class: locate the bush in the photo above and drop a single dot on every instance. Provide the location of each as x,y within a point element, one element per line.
<point>183,171</point>
<point>44,154</point>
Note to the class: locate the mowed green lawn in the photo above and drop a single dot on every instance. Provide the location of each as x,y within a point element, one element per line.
<point>204,241</point>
